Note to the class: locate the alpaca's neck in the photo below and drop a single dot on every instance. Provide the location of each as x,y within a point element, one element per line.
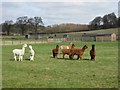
<point>72,47</point>
<point>57,48</point>
<point>83,49</point>
<point>23,50</point>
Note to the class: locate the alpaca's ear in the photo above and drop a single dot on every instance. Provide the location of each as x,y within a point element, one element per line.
<point>25,45</point>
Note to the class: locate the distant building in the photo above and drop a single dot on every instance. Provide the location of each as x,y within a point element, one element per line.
<point>65,38</point>
<point>33,36</point>
<point>99,37</point>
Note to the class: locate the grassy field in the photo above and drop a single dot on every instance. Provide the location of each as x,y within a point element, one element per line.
<point>47,72</point>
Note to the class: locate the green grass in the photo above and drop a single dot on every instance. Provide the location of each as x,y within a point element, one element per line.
<point>47,72</point>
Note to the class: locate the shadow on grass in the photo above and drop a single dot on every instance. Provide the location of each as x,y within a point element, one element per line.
<point>85,59</point>
<point>70,59</point>
<point>18,60</point>
<point>27,59</point>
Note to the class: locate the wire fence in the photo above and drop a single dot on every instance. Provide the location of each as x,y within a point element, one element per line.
<point>16,42</point>
<point>35,41</point>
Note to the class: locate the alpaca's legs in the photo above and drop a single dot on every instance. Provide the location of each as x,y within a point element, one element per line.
<point>32,58</point>
<point>21,57</point>
<point>78,57</point>
<point>54,55</point>
<point>72,56</point>
<point>63,56</point>
<point>92,57</point>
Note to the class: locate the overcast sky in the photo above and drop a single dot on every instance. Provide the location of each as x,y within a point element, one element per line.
<point>59,12</point>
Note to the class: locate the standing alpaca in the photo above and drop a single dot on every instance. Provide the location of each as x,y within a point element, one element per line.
<point>32,53</point>
<point>55,51</point>
<point>78,52</point>
<point>19,53</point>
<point>67,51</point>
<point>66,47</point>
<point>92,52</point>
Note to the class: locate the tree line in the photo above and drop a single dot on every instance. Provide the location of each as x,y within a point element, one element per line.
<point>105,22</point>
<point>24,25</point>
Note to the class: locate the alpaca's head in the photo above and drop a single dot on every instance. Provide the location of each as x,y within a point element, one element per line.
<point>30,46</point>
<point>57,46</point>
<point>73,45</point>
<point>25,45</point>
<point>85,47</point>
<point>93,47</point>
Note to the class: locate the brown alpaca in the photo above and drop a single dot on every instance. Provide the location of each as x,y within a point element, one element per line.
<point>78,52</point>
<point>92,52</point>
<point>67,51</point>
<point>55,51</point>
<point>66,47</point>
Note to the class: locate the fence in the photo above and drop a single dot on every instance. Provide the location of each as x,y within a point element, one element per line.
<point>34,41</point>
<point>21,41</point>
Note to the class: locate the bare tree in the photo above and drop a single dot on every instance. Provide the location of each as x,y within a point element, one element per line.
<point>7,26</point>
<point>35,22</point>
<point>22,23</point>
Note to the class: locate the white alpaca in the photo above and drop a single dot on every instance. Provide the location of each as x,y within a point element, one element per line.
<point>32,53</point>
<point>19,53</point>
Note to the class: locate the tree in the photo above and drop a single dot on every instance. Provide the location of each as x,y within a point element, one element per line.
<point>7,26</point>
<point>22,23</point>
<point>118,21</point>
<point>110,20</point>
<point>96,23</point>
<point>107,21</point>
<point>35,22</point>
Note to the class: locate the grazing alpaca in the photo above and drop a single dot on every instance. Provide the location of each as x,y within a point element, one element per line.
<point>55,51</point>
<point>78,52</point>
<point>67,51</point>
<point>32,53</point>
<point>19,53</point>
<point>92,52</point>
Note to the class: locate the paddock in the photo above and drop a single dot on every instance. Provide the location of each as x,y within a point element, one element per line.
<point>48,72</point>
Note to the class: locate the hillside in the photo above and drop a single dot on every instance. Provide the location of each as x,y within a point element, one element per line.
<point>78,34</point>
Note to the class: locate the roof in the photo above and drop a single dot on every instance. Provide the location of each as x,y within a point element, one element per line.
<point>93,35</point>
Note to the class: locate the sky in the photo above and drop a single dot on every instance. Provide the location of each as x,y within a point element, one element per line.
<point>58,12</point>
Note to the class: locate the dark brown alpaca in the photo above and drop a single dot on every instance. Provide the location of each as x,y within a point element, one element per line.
<point>67,51</point>
<point>55,51</point>
<point>78,52</point>
<point>92,52</point>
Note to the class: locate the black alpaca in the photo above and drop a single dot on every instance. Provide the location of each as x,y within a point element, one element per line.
<point>92,52</point>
